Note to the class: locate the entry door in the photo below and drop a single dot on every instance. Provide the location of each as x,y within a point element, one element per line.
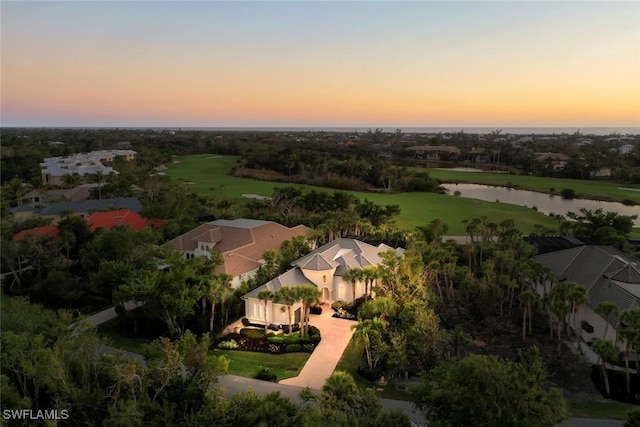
<point>326,297</point>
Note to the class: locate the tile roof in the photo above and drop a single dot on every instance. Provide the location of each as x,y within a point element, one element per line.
<point>241,241</point>
<point>130,203</point>
<point>342,254</point>
<point>293,277</point>
<point>607,273</point>
<point>43,230</point>
<point>110,219</point>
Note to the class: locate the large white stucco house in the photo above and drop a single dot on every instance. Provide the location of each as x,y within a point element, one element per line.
<point>241,242</point>
<point>324,268</point>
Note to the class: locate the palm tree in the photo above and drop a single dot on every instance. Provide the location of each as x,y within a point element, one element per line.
<point>353,275</point>
<point>265,296</point>
<point>218,288</point>
<point>288,296</point>
<point>629,331</point>
<point>560,307</point>
<point>99,177</point>
<point>369,274</point>
<point>364,330</point>
<point>309,295</point>
<point>459,338</point>
<point>608,352</point>
<point>577,296</point>
<point>607,310</point>
<point>527,298</point>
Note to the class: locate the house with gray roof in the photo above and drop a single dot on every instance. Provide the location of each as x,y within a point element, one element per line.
<point>607,274</point>
<point>324,268</point>
<point>90,206</point>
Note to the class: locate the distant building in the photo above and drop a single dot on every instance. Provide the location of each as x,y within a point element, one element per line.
<point>433,152</point>
<point>557,160</point>
<point>241,242</point>
<point>626,149</point>
<point>53,169</point>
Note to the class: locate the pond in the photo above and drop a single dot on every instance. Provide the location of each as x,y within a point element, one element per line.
<point>545,203</point>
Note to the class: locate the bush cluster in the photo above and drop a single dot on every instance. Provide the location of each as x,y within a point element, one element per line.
<point>229,345</point>
<point>266,375</point>
<point>257,340</point>
<point>253,333</point>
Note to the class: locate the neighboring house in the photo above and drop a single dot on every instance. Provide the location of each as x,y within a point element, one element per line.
<point>53,169</point>
<point>23,212</point>
<point>88,206</point>
<point>606,273</point>
<point>601,173</point>
<point>323,268</point>
<point>434,152</point>
<point>110,219</point>
<point>106,220</point>
<point>44,230</point>
<point>75,194</point>
<point>626,149</point>
<point>241,243</point>
<point>477,155</point>
<point>557,160</point>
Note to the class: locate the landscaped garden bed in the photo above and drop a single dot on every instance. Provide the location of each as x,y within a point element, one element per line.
<point>258,340</point>
<point>347,310</point>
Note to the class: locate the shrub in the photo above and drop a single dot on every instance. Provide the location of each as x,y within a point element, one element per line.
<point>229,345</point>
<point>316,309</point>
<point>265,375</point>
<point>633,418</point>
<point>276,339</point>
<point>252,333</point>
<point>293,348</point>
<point>308,347</point>
<point>457,193</point>
<point>629,202</point>
<point>337,305</point>
<point>535,208</point>
<point>568,193</point>
<point>313,331</point>
<point>552,190</point>
<point>274,348</point>
<point>245,321</point>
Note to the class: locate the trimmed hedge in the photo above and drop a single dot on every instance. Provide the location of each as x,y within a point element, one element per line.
<point>293,348</point>
<point>265,375</point>
<point>252,333</point>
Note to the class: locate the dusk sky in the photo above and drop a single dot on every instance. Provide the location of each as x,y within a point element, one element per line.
<point>305,63</point>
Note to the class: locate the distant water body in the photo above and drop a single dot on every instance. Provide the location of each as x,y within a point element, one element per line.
<point>471,130</point>
<point>406,130</point>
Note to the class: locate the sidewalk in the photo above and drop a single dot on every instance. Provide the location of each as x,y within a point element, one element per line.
<point>336,334</point>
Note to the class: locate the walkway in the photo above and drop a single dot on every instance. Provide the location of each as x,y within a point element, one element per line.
<point>110,313</point>
<point>336,334</point>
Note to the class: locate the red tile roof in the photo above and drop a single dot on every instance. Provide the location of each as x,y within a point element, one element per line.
<point>110,219</point>
<point>44,230</point>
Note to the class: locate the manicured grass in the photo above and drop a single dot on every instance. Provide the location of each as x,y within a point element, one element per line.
<point>416,208</point>
<point>349,363</point>
<point>599,409</point>
<point>247,363</point>
<point>595,189</point>
<point>134,345</point>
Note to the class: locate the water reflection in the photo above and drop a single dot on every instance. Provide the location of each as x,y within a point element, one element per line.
<point>545,203</point>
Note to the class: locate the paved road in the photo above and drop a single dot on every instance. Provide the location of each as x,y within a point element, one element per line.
<point>336,334</point>
<point>110,313</point>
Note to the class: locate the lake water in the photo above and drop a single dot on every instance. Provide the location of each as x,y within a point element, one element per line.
<point>544,202</point>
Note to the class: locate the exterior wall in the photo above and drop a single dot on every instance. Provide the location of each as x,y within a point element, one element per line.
<point>255,312</point>
<point>235,283</point>
<point>346,293</point>
<point>316,277</point>
<point>587,314</point>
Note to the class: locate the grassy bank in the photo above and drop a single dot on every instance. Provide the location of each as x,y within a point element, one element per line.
<point>208,171</point>
<point>586,189</point>
<point>247,363</point>
<point>116,340</point>
<point>599,409</point>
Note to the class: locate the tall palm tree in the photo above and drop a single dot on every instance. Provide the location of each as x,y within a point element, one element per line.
<point>353,275</point>
<point>577,296</point>
<point>607,310</point>
<point>265,296</point>
<point>218,288</point>
<point>364,331</point>
<point>608,352</point>
<point>528,298</point>
<point>629,331</point>
<point>309,295</point>
<point>99,177</point>
<point>288,296</point>
<point>560,307</point>
<point>369,274</point>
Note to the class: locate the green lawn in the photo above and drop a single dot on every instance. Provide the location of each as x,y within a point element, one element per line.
<point>247,363</point>
<point>349,363</point>
<point>599,409</point>
<point>595,189</point>
<point>416,208</point>
<point>116,340</point>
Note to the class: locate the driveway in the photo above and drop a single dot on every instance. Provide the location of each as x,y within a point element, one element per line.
<point>336,334</point>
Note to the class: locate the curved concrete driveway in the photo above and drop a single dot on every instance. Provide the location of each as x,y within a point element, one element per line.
<point>336,334</point>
